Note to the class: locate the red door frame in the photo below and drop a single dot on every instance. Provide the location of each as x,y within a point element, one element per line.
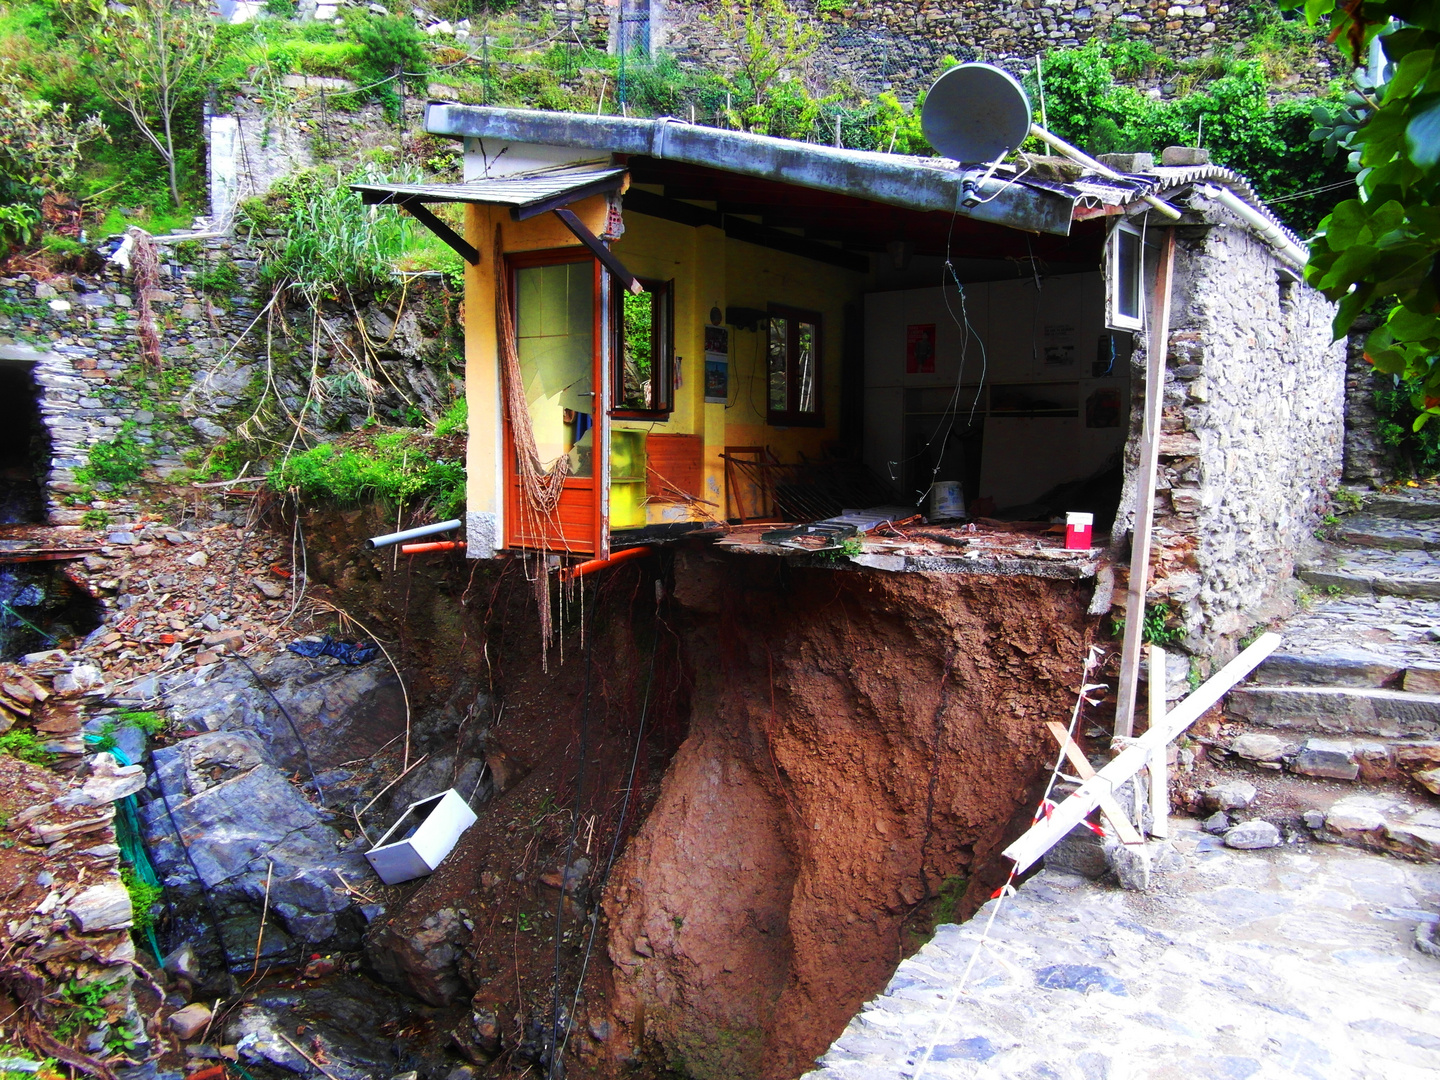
<point>592,534</point>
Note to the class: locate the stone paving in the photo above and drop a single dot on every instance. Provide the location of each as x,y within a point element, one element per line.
<point>1297,961</point>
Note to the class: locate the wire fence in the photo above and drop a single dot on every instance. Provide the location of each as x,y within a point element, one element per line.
<point>574,67</point>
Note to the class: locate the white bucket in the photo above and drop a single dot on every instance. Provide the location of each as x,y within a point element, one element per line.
<point>947,501</point>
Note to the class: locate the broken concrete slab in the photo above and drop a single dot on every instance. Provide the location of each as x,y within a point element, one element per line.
<point>1337,993</point>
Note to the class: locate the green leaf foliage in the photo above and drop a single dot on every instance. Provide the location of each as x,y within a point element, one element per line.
<point>1381,246</point>
<point>1232,115</point>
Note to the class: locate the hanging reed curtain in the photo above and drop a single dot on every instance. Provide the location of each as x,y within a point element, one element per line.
<point>540,488</point>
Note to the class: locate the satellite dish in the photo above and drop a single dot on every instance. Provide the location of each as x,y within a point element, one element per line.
<point>975,114</point>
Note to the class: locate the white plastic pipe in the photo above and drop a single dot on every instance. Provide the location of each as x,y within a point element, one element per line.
<point>1287,249</point>
<point>412,534</point>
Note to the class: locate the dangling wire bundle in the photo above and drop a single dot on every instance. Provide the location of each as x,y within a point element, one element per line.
<point>540,488</point>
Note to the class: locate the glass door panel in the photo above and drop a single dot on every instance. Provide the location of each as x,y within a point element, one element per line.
<point>555,338</point>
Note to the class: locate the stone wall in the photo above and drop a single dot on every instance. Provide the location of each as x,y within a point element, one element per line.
<point>221,357</point>
<point>1367,460</point>
<point>1253,430</point>
<point>882,44</point>
<point>81,330</point>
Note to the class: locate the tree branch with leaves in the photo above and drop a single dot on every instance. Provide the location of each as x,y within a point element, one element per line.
<point>766,40</point>
<point>150,58</point>
<point>39,152</point>
<point>1382,246</point>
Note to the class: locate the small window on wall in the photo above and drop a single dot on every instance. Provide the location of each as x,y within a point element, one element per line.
<point>792,353</point>
<point>644,350</point>
<point>1124,278</point>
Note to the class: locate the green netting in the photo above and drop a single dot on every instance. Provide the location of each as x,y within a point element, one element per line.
<point>127,836</point>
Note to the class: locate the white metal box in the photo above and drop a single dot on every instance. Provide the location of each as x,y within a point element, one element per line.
<point>418,843</point>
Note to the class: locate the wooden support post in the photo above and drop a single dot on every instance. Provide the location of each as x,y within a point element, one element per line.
<point>1158,346</point>
<point>1159,776</point>
<point>1044,834</point>
<point>599,250</point>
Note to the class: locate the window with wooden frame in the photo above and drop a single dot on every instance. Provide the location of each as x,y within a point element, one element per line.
<point>792,367</point>
<point>644,379</point>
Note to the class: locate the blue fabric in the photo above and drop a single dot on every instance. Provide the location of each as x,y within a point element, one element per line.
<point>343,651</point>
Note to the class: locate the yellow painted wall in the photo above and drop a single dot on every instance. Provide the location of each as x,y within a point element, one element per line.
<point>709,271</point>
<point>757,277</point>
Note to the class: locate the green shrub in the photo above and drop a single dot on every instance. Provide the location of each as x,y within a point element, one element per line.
<point>455,421</point>
<point>24,744</point>
<point>148,721</point>
<point>394,466</point>
<point>335,59</point>
<point>329,242</point>
<point>95,519</point>
<point>1228,105</point>
<point>117,462</point>
<point>143,897</point>
<point>218,277</point>
<point>1399,404</point>
<point>284,9</point>
<point>393,50</point>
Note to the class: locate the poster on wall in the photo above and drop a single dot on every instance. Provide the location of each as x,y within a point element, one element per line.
<point>1059,345</point>
<point>920,349</point>
<point>717,365</point>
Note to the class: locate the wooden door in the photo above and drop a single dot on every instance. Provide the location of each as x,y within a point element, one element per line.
<point>560,336</point>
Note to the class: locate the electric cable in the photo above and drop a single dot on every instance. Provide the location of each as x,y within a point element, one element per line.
<point>594,917</point>
<point>319,791</point>
<point>570,846</point>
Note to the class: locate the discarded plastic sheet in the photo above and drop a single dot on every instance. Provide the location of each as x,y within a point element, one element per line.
<point>418,843</point>
<point>344,651</point>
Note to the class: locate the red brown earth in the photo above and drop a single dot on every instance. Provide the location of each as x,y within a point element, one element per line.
<point>833,760</point>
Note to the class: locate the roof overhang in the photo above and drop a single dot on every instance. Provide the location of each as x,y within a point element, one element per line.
<point>527,195</point>
<point>925,184</point>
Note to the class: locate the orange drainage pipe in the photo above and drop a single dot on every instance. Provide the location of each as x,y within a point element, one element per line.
<point>570,573</point>
<point>438,545</point>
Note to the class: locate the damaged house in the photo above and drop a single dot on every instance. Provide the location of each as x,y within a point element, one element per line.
<point>703,326</point>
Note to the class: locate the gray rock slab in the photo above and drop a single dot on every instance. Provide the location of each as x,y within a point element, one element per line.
<point>1292,961</point>
<point>341,713</point>
<point>1376,571</point>
<point>1415,505</point>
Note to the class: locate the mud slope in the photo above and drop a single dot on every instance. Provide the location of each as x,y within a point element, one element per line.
<point>856,738</point>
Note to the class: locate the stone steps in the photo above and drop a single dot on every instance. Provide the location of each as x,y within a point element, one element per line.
<point>1335,757</point>
<point>1406,504</point>
<point>1395,534</point>
<point>1339,710</point>
<point>1375,572</point>
<point>1343,720</point>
